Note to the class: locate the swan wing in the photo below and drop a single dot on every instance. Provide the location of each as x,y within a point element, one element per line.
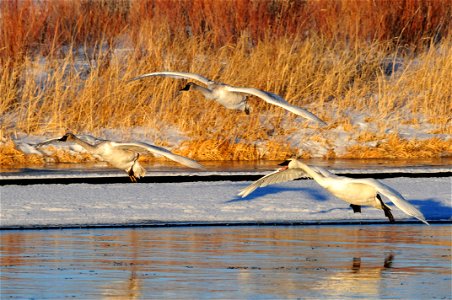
<point>278,101</point>
<point>85,138</point>
<point>177,75</point>
<point>280,175</point>
<point>143,147</point>
<point>50,141</point>
<point>396,198</point>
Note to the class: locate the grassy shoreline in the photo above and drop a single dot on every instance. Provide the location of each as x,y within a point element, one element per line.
<point>384,97</point>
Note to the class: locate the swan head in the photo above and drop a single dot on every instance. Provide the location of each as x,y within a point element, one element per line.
<point>291,163</point>
<point>187,86</point>
<point>285,163</point>
<point>67,137</point>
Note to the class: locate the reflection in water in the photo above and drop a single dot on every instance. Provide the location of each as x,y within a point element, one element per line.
<point>363,280</point>
<point>228,262</point>
<point>129,288</point>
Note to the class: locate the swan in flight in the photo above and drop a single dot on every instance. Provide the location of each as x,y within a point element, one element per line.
<point>357,192</point>
<point>124,155</point>
<point>232,97</point>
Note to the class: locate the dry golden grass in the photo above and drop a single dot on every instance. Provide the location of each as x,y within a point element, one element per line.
<point>64,69</point>
<point>214,149</point>
<point>11,156</point>
<point>29,26</point>
<point>394,147</point>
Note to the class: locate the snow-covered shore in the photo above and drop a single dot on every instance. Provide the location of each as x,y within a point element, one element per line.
<point>214,202</point>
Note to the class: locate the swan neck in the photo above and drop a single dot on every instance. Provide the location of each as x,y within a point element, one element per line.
<point>84,144</point>
<point>315,175</point>
<point>205,91</point>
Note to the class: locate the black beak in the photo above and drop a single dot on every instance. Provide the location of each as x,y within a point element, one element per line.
<point>63,139</point>
<point>186,88</point>
<point>285,163</point>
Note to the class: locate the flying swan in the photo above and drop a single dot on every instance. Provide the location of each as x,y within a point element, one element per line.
<point>357,192</point>
<point>125,155</point>
<point>232,97</point>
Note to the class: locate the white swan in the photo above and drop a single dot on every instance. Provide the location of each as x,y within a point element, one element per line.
<point>125,155</point>
<point>357,192</point>
<point>232,97</point>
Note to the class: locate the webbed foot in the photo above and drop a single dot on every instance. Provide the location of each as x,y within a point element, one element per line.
<point>356,208</point>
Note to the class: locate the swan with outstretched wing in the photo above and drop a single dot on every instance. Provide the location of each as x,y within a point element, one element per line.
<point>124,156</point>
<point>232,97</point>
<point>357,192</point>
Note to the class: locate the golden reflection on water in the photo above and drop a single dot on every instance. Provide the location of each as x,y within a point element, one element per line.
<point>281,262</point>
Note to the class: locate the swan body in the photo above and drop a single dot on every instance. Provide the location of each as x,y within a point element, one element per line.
<point>125,156</point>
<point>357,192</point>
<point>232,97</point>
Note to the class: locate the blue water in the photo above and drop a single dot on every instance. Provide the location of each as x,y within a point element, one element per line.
<point>255,262</point>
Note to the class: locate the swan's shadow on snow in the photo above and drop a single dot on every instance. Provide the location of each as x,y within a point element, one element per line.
<point>310,193</point>
<point>325,211</point>
<point>432,207</point>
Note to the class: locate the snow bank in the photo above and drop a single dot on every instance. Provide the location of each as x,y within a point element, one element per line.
<point>54,205</point>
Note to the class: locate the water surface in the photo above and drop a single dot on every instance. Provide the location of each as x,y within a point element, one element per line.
<point>254,262</point>
<point>234,166</point>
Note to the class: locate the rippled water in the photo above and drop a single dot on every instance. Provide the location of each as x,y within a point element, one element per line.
<point>235,166</point>
<point>388,261</point>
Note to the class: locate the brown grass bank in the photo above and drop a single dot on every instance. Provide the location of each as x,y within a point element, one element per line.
<point>384,64</point>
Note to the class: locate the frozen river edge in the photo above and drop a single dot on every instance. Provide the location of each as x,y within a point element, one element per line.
<point>46,200</point>
<point>109,176</point>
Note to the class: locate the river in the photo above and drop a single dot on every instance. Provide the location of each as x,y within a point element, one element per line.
<point>229,262</point>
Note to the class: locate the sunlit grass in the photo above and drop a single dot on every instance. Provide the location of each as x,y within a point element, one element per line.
<point>66,71</point>
<point>394,147</point>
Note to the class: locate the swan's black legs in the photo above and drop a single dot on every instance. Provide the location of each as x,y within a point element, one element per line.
<point>388,214</point>
<point>132,176</point>
<point>386,209</point>
<point>356,208</point>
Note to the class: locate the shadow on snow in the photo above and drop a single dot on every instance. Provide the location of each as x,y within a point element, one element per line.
<point>431,208</point>
<point>310,193</point>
